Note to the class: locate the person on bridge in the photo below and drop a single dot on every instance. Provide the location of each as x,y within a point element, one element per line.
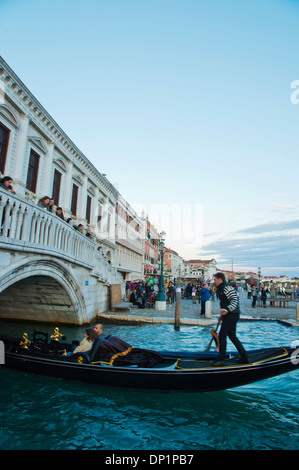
<point>5,182</point>
<point>44,202</point>
<point>59,213</point>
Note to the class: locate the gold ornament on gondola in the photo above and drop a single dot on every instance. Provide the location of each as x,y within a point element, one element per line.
<point>56,335</point>
<point>25,341</point>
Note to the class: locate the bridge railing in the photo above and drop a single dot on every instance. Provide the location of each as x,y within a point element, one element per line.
<point>26,227</point>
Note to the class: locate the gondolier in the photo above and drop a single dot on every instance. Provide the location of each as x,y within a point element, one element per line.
<point>230,314</point>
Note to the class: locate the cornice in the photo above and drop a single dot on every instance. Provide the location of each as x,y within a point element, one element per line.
<point>28,104</point>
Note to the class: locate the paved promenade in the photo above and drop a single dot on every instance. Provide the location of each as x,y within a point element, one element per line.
<point>190,313</point>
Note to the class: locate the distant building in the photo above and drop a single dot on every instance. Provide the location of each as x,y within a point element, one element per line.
<point>201,269</point>
<point>129,241</point>
<point>173,264</point>
<point>151,260</point>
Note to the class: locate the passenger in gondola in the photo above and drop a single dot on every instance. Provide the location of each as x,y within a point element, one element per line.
<point>114,351</point>
<point>104,347</point>
<point>86,344</point>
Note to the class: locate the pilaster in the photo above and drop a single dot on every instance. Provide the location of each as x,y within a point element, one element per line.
<point>68,188</point>
<point>19,178</point>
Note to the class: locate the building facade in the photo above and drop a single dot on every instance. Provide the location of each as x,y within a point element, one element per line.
<point>151,249</point>
<point>43,160</point>
<point>174,266</point>
<point>201,269</point>
<point>129,241</point>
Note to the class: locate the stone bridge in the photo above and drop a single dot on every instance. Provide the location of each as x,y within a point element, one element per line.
<point>49,272</point>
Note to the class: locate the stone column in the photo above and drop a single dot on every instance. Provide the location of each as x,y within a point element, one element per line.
<point>68,189</point>
<point>48,169</point>
<point>95,208</point>
<point>82,200</point>
<point>19,177</point>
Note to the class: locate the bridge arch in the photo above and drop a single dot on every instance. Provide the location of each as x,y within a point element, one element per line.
<point>42,289</point>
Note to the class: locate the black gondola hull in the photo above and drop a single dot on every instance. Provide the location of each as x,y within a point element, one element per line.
<point>177,372</point>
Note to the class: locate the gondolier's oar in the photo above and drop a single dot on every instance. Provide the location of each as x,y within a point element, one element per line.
<point>214,337</point>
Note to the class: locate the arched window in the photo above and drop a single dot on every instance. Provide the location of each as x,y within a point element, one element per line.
<point>4,139</point>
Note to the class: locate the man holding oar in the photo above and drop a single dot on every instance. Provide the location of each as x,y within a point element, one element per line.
<point>230,314</point>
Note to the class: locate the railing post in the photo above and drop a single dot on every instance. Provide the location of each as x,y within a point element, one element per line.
<point>37,229</point>
<point>6,218</point>
<point>23,221</point>
<point>32,227</point>
<point>20,218</point>
<point>12,228</point>
<point>24,228</point>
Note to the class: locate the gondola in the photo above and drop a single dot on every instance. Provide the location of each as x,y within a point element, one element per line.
<point>172,372</point>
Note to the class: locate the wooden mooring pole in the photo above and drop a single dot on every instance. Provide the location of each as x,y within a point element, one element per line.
<point>178,295</point>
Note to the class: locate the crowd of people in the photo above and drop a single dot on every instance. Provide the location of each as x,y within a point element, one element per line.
<point>253,291</point>
<point>47,203</point>
<point>145,293</point>
<point>199,291</point>
<point>139,293</point>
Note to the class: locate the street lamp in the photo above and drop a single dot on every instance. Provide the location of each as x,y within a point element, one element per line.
<point>161,302</point>
<point>259,273</point>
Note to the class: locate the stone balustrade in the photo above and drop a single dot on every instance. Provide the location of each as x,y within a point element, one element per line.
<point>26,227</point>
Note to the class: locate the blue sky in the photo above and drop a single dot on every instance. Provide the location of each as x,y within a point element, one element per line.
<point>184,104</point>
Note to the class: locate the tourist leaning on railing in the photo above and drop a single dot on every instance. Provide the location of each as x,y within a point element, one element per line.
<point>47,203</point>
<point>5,183</point>
<point>51,205</point>
<point>59,213</point>
<point>44,202</point>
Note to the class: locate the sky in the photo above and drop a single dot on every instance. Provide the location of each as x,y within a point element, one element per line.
<point>190,107</point>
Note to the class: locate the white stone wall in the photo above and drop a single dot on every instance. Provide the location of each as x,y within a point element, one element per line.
<point>129,232</point>
<point>35,243</point>
<point>32,128</point>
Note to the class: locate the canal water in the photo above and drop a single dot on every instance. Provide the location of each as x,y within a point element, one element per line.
<point>41,413</point>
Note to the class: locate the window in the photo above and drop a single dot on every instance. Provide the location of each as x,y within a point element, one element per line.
<point>74,199</point>
<point>32,171</point>
<point>56,187</point>
<point>88,209</point>
<point>4,138</point>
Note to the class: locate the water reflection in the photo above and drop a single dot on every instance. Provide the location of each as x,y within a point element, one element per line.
<point>44,413</point>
